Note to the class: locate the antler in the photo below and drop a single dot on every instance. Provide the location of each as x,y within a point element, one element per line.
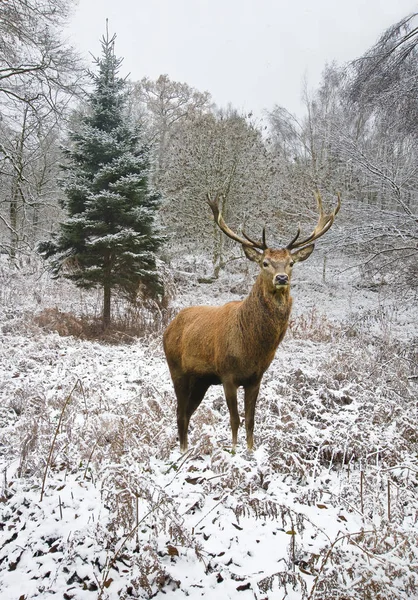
<point>324,223</point>
<point>246,240</point>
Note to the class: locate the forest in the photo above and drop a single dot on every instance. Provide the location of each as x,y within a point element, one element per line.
<point>106,233</point>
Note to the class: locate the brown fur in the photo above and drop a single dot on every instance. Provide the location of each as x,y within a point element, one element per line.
<point>232,345</point>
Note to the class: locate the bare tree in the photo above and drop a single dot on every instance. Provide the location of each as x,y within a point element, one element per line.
<point>382,91</point>
<point>305,147</point>
<point>222,153</point>
<point>385,77</point>
<point>29,154</point>
<point>35,65</point>
<point>168,103</point>
<point>39,75</point>
<point>360,137</point>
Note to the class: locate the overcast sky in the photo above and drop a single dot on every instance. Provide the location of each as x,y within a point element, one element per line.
<point>251,53</point>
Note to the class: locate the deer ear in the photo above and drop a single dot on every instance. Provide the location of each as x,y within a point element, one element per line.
<point>252,254</point>
<point>303,253</point>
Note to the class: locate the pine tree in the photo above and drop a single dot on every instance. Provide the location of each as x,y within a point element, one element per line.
<point>110,237</point>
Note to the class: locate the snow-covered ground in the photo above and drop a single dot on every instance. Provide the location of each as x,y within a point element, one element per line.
<point>96,500</point>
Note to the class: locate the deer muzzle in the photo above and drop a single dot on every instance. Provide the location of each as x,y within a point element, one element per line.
<point>281,279</point>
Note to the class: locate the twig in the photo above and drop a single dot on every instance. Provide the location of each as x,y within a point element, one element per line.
<point>91,454</point>
<point>184,458</point>
<point>389,500</point>
<point>48,462</point>
<point>211,510</point>
<point>128,536</point>
<point>328,554</point>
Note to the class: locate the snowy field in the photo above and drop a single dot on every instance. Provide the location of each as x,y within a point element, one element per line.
<point>96,500</point>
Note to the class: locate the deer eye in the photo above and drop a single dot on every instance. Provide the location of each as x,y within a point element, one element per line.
<point>265,263</point>
<point>292,262</point>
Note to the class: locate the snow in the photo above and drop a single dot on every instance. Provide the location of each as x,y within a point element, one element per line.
<point>89,427</point>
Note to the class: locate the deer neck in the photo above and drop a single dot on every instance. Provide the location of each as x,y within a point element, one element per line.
<point>265,313</point>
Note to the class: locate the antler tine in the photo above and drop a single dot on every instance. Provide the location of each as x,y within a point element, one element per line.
<point>290,244</point>
<point>264,239</point>
<point>261,245</point>
<point>324,223</point>
<point>245,241</point>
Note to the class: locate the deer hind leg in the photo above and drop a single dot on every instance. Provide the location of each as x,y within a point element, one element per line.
<point>230,390</point>
<point>250,400</point>
<point>190,391</point>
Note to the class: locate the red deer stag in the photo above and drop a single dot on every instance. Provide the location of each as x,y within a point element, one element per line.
<point>234,344</point>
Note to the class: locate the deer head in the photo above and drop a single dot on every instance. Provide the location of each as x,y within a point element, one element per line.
<point>276,265</point>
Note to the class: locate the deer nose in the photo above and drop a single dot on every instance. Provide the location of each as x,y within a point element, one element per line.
<point>281,279</point>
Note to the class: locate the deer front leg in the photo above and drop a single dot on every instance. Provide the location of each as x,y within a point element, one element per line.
<point>250,400</point>
<point>230,390</point>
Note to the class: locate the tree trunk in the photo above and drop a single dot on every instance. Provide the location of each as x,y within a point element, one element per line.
<point>16,192</point>
<point>106,306</point>
<point>217,258</point>
<point>161,155</point>
<point>35,224</point>
<point>14,239</point>
<point>107,290</point>
<point>218,242</point>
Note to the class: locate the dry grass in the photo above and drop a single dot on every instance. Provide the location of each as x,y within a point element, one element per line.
<point>313,326</point>
<point>125,328</point>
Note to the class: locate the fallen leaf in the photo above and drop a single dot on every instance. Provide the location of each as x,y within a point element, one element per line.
<point>305,571</point>
<point>172,551</point>
<point>193,480</point>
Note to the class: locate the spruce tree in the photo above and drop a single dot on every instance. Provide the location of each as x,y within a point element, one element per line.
<point>109,238</point>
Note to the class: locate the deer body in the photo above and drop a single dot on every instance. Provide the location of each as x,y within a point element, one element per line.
<point>250,330</point>
<point>234,344</point>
